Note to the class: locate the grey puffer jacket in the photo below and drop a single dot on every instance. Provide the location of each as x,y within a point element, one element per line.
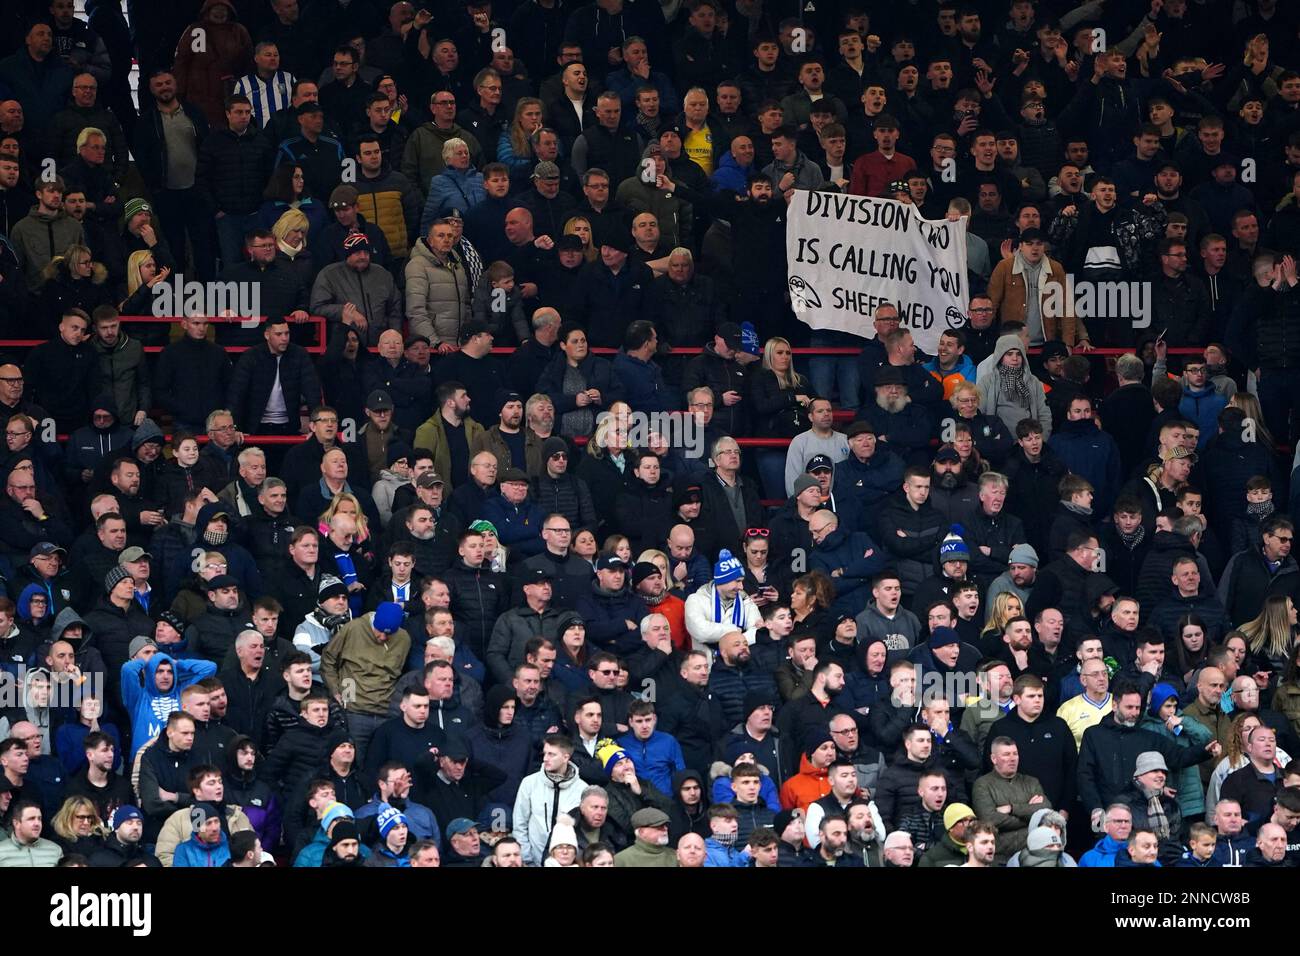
<point>437,295</point>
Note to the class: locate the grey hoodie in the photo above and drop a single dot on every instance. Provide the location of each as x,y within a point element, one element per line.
<point>993,401</point>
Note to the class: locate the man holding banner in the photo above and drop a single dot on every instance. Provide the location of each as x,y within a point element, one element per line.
<point>849,254</point>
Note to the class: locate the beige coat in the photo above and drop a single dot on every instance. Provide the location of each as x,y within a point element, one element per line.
<point>1007,290</point>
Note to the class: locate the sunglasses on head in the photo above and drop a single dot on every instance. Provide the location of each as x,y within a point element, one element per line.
<point>757,532</point>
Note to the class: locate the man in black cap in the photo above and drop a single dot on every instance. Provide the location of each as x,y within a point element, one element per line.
<point>536,617</point>
<point>357,293</point>
<point>320,156</point>
<point>511,443</point>
<point>557,489</point>
<point>612,286</point>
<point>612,614</point>
<point>472,366</point>
<point>380,431</point>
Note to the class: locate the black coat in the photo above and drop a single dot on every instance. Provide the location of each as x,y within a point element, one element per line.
<point>254,377</point>
<point>233,170</point>
<point>718,517</point>
<point>695,717</point>
<point>1109,753</point>
<point>1047,752</point>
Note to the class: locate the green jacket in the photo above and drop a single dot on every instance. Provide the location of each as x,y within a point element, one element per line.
<point>641,853</point>
<point>992,791</point>
<point>947,852</point>
<point>431,435</point>
<point>40,853</point>
<point>1217,723</point>
<point>363,670</point>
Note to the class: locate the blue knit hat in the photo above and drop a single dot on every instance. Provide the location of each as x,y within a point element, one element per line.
<point>954,547</point>
<point>1159,694</point>
<point>943,636</point>
<point>388,617</point>
<point>390,817</point>
<point>728,568</point>
<point>749,341</point>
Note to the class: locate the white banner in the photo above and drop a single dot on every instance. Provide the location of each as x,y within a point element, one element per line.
<point>849,254</point>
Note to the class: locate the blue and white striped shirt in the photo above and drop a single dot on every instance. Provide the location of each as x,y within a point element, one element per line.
<point>267,96</point>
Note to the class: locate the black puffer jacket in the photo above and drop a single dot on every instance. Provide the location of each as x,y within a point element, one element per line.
<point>233,170</point>
<point>478,597</point>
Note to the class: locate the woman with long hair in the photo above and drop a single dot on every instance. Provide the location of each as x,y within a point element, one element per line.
<point>580,226</point>
<point>780,397</point>
<point>1234,754</point>
<point>972,462</point>
<point>1002,608</point>
<point>77,827</point>
<point>1249,404</point>
<point>345,503</point>
<point>1270,637</point>
<point>1191,649</point>
<point>287,189</point>
<point>811,596</point>
<point>515,147</point>
<point>142,274</point>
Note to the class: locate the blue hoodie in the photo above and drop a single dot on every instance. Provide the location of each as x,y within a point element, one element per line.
<point>192,853</point>
<point>149,707</point>
<point>1104,853</point>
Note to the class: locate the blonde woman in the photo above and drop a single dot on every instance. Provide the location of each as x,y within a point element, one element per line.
<point>291,231</point>
<point>515,147</point>
<point>73,280</point>
<point>1001,609</point>
<point>581,227</point>
<point>780,397</point>
<point>345,503</point>
<point>142,274</point>
<point>604,465</point>
<point>1271,636</point>
<point>77,827</point>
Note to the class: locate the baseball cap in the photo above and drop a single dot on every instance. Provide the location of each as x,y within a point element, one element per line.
<point>379,401</point>
<point>611,562</point>
<point>133,553</point>
<point>43,549</point>
<point>819,463</point>
<point>730,333</point>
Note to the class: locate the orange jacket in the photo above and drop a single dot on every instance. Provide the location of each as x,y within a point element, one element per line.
<point>807,786</point>
<point>674,608</point>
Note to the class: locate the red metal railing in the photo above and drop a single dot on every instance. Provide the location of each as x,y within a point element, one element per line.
<point>316,320</point>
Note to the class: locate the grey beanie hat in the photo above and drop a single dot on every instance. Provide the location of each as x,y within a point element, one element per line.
<point>1024,554</point>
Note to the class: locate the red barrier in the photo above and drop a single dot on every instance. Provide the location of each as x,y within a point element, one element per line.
<point>316,320</point>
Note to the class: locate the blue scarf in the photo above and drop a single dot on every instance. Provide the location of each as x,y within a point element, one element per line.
<point>737,610</point>
<point>348,575</point>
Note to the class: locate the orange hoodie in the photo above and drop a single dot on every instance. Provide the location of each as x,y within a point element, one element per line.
<point>807,786</point>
